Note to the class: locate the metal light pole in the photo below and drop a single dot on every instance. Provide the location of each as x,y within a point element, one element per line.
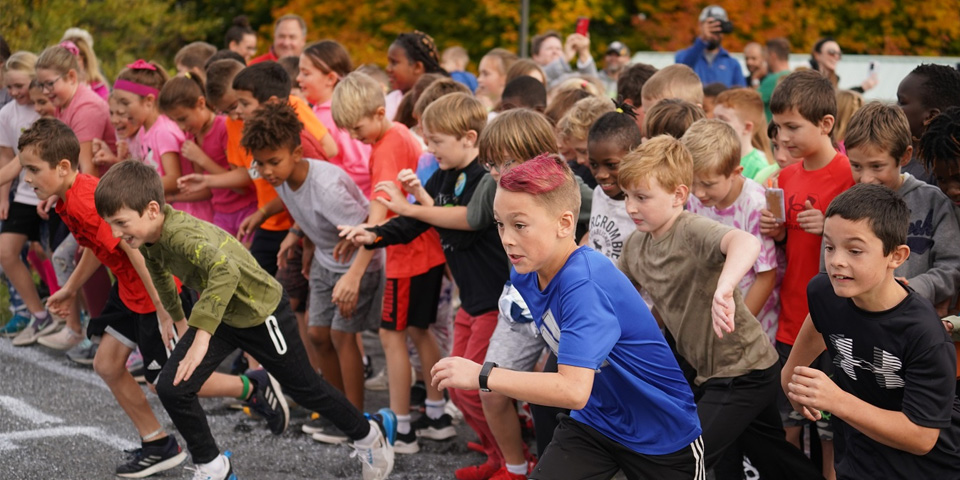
<point>524,27</point>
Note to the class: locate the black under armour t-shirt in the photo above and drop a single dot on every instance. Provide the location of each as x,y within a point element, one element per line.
<point>900,359</point>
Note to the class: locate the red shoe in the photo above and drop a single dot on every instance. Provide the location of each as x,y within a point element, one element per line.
<point>475,446</point>
<point>504,474</point>
<point>477,472</point>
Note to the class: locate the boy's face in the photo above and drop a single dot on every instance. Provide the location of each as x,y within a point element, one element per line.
<point>714,189</point>
<point>651,207</point>
<point>908,100</point>
<point>228,104</point>
<point>578,147</point>
<point>604,162</point>
<point>948,179</point>
<point>798,136</point>
<point>136,228</point>
<point>45,180</point>
<point>781,155</point>
<point>246,104</point>
<point>730,117</point>
<point>529,232</point>
<point>854,257</point>
<point>276,165</point>
<point>870,164</point>
<point>451,152</point>
<point>369,129</point>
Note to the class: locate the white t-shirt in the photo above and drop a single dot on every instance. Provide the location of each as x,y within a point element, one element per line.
<point>14,119</point>
<point>609,225</point>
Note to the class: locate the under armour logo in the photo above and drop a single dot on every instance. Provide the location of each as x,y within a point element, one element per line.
<point>884,366</point>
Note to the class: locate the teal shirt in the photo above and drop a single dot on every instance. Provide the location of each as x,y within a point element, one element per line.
<point>766,88</point>
<point>233,288</point>
<point>753,163</point>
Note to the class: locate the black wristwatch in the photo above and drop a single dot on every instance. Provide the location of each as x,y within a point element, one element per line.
<point>485,373</point>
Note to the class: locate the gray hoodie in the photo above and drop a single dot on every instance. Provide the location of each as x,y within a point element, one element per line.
<point>933,268</point>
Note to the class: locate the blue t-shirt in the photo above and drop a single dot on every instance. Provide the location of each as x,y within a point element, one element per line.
<point>591,316</point>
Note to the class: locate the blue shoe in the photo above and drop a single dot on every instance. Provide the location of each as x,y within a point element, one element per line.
<point>377,459</point>
<point>15,325</point>
<point>387,420</point>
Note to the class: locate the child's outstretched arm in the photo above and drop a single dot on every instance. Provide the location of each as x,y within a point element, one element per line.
<point>741,250</point>
<point>569,388</point>
<point>163,317</point>
<point>808,346</point>
<point>454,218</point>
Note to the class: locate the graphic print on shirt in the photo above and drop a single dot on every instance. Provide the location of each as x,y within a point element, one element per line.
<point>605,236</point>
<point>920,235</point>
<point>797,204</point>
<point>151,160</point>
<point>884,366</point>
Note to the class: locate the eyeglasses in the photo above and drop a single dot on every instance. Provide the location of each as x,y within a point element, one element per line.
<point>48,85</point>
<point>834,53</point>
<point>488,165</point>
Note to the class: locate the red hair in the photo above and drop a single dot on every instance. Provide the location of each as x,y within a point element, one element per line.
<point>548,179</point>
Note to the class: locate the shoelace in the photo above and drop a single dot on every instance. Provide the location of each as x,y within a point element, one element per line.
<point>365,454</point>
<point>198,473</point>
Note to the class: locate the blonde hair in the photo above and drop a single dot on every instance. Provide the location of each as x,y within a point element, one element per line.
<point>437,89</point>
<point>517,135</point>
<point>456,54</point>
<point>23,62</point>
<point>662,158</point>
<point>672,116</point>
<point>879,125</point>
<point>577,83</point>
<point>576,123</point>
<point>848,102</point>
<point>91,70</point>
<point>748,105</point>
<point>675,81</point>
<point>58,59</point>
<point>714,146</point>
<point>356,96</point>
<point>505,58</point>
<point>455,114</point>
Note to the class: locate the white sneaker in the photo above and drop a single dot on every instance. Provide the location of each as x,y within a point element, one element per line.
<point>381,380</point>
<point>35,329</point>
<point>224,471</point>
<point>377,460</point>
<point>65,339</point>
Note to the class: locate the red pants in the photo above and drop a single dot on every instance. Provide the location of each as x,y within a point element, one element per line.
<point>471,337</point>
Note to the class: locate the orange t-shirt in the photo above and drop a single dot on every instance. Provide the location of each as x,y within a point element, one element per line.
<point>820,187</point>
<point>239,156</point>
<point>394,152</point>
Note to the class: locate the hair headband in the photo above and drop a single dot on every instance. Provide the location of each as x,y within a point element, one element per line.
<point>134,87</point>
<point>71,47</point>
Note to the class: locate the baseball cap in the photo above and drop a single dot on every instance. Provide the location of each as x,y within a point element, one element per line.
<point>619,48</point>
<point>714,11</point>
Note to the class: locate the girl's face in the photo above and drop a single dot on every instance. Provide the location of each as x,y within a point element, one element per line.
<point>138,108</point>
<point>59,88</point>
<point>491,80</point>
<point>315,85</point>
<point>402,72</point>
<point>18,84</point>
<point>41,104</point>
<point>191,120</point>
<point>120,117</point>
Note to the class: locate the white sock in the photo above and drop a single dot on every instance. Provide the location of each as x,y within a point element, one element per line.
<point>403,424</point>
<point>215,467</point>
<point>371,437</point>
<point>41,315</point>
<point>435,408</point>
<point>520,469</point>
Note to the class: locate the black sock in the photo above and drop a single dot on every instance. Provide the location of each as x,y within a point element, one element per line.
<point>156,443</point>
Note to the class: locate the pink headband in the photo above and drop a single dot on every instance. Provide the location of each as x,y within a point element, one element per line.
<point>136,88</point>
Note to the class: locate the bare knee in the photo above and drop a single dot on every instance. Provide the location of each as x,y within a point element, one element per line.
<point>108,367</point>
<point>494,401</point>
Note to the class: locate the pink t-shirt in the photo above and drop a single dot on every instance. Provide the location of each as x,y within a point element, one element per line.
<point>88,116</point>
<point>353,156</point>
<point>101,89</point>
<point>214,144</point>
<point>166,137</point>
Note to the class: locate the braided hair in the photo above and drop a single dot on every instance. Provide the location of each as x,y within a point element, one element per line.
<point>618,126</point>
<point>940,142</point>
<point>420,47</point>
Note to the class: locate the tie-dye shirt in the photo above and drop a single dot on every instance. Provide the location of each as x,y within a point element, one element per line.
<point>744,214</point>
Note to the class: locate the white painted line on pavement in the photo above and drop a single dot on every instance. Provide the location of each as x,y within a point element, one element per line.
<point>7,439</point>
<point>26,411</point>
<point>41,360</point>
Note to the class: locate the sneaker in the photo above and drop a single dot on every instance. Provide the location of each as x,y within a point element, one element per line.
<point>83,352</point>
<point>407,442</point>
<point>378,382</point>
<point>504,474</point>
<point>324,431</point>
<point>477,472</point>
<point>367,367</point>
<point>147,461</point>
<point>268,402</point>
<point>435,429</point>
<point>15,325</point>
<point>34,330</point>
<point>65,339</point>
<point>201,473</point>
<point>377,459</point>
<point>456,416</point>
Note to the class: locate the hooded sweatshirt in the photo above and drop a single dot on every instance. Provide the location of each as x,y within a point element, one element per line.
<point>933,268</point>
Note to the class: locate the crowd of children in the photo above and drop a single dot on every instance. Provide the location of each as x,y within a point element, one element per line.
<point>757,282</point>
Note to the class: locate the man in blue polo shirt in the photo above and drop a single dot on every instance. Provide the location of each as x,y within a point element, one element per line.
<point>706,57</point>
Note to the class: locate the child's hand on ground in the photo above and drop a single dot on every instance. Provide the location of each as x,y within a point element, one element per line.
<point>813,391</point>
<point>397,203</point>
<point>770,227</point>
<point>455,372</point>
<point>723,311</point>
<point>345,294</point>
<point>810,219</point>
<point>343,251</point>
<point>359,234</point>
<point>193,357</point>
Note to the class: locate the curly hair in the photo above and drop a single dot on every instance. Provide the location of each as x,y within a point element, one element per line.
<point>273,125</point>
<point>940,142</point>
<point>939,89</point>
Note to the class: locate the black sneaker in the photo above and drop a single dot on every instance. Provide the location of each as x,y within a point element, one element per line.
<point>435,429</point>
<point>418,396</point>
<point>268,401</point>
<point>147,461</point>
<point>324,431</point>
<point>406,442</point>
<point>367,367</point>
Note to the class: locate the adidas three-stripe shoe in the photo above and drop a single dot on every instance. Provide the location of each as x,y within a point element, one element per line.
<point>147,461</point>
<point>268,401</point>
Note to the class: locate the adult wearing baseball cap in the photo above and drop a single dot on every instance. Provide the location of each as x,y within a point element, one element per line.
<point>615,60</point>
<point>706,57</point>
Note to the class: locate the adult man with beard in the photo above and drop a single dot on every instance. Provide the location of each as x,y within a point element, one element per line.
<point>706,57</point>
<point>616,59</point>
